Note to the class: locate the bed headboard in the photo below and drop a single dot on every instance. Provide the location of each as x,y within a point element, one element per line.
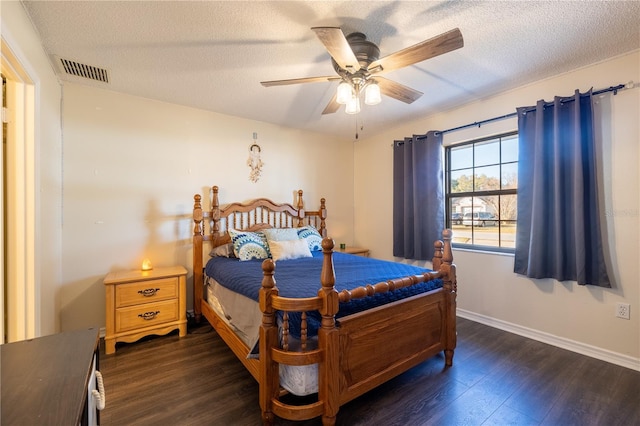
<point>210,225</point>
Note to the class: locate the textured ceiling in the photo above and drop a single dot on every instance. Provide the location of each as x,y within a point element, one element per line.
<point>213,54</point>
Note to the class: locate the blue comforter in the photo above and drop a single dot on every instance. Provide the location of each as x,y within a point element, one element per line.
<point>301,278</point>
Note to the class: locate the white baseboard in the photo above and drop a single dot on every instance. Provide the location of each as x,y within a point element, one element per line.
<point>561,342</point>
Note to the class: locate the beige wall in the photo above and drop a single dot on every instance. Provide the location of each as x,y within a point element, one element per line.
<point>131,168</point>
<point>576,317</point>
<point>20,37</point>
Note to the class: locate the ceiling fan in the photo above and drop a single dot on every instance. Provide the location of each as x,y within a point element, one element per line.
<point>359,67</point>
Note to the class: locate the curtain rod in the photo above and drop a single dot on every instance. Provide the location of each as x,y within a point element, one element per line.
<point>613,89</point>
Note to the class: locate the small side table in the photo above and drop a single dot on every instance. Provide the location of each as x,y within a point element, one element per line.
<point>140,303</point>
<point>360,251</point>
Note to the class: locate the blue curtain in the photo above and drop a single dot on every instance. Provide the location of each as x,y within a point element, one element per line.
<point>559,228</point>
<point>418,195</point>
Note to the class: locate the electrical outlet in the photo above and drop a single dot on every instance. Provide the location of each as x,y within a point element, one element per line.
<point>622,310</point>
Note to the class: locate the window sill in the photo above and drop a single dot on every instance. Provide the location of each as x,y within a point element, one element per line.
<point>474,250</point>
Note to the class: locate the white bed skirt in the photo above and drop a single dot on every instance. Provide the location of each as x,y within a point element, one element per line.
<point>243,315</point>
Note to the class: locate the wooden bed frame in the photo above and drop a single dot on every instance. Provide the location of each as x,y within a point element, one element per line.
<point>353,354</point>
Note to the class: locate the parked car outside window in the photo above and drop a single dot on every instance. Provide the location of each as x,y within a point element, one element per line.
<point>456,218</point>
<point>479,219</point>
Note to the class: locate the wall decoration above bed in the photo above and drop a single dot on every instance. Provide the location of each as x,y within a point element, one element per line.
<point>323,329</point>
<point>254,162</point>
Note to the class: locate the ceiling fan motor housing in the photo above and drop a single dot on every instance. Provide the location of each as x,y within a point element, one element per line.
<point>364,50</point>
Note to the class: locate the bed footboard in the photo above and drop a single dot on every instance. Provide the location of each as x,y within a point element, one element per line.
<point>418,326</point>
<point>354,356</point>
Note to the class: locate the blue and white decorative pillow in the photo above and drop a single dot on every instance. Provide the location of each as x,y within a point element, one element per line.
<point>313,237</point>
<point>249,245</point>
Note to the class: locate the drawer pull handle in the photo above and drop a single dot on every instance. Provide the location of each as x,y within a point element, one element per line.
<point>149,315</point>
<point>148,292</point>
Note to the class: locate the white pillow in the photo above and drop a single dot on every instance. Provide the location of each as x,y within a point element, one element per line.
<point>289,249</point>
<point>280,234</point>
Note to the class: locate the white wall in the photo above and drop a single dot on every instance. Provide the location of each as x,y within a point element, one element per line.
<point>131,169</point>
<point>577,317</point>
<point>23,41</point>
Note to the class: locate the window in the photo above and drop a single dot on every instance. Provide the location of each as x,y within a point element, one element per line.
<point>481,188</point>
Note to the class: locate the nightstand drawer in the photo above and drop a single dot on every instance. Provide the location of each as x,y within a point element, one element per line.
<point>146,291</point>
<point>146,315</point>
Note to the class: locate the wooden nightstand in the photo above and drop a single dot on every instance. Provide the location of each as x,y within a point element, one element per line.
<point>360,251</point>
<point>140,303</point>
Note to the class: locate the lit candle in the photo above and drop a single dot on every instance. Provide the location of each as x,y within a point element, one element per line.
<point>146,265</point>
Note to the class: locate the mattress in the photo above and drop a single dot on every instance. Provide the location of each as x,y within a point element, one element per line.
<point>233,288</point>
<point>301,278</point>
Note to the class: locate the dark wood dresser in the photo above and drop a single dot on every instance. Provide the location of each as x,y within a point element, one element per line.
<point>47,380</point>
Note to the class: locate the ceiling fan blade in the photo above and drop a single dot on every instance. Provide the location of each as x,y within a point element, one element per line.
<point>336,44</point>
<point>397,90</point>
<point>445,42</point>
<point>332,106</point>
<point>299,81</point>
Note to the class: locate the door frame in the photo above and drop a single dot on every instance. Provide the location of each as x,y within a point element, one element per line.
<point>17,264</point>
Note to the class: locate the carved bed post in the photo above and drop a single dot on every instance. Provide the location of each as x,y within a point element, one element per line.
<point>198,279</point>
<point>323,216</point>
<point>215,212</point>
<point>328,338</point>
<point>437,255</point>
<point>269,378</point>
<point>450,286</point>
<point>300,207</point>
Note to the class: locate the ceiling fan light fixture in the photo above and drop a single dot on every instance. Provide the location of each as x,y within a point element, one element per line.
<point>372,94</point>
<point>345,93</point>
<point>353,106</point>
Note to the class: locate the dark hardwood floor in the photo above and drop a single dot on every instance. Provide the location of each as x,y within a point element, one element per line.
<point>497,378</point>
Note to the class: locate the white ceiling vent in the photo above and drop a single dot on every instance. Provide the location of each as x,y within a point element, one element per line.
<point>78,69</point>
